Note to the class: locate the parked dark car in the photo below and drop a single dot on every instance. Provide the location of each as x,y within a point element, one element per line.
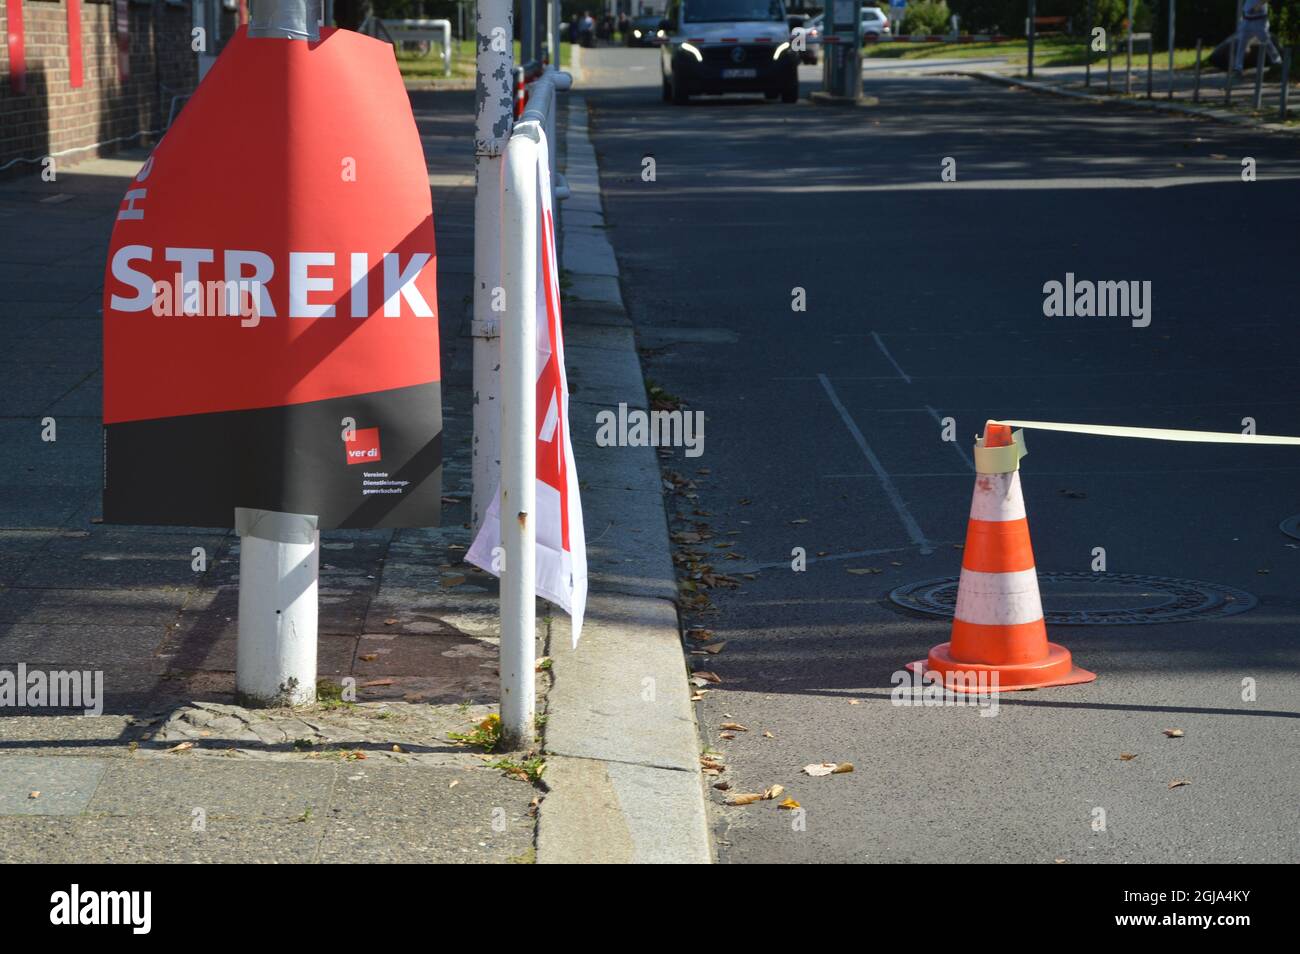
<point>643,31</point>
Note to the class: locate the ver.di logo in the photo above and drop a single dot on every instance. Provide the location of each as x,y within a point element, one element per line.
<point>363,448</point>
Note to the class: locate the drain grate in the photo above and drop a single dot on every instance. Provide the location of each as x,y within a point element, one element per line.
<point>1179,600</point>
<point>1291,526</point>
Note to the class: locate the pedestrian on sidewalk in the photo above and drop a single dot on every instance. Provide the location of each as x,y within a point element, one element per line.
<point>1254,26</point>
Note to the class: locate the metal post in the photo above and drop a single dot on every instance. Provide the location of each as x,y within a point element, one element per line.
<point>492,119</point>
<point>1151,50</point>
<point>1232,60</point>
<point>527,30</point>
<point>1128,56</point>
<point>1087,46</point>
<point>1171,48</point>
<point>1261,55</point>
<point>519,444</point>
<point>1030,44</point>
<point>279,553</point>
<point>1196,88</point>
<point>1286,79</point>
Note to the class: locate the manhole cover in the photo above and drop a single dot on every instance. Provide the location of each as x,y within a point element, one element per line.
<point>1291,526</point>
<point>1143,599</point>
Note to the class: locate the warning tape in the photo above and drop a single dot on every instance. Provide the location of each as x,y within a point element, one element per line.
<point>1155,433</point>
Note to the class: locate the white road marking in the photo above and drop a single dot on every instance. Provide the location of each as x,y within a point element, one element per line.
<point>900,506</point>
<point>957,445</point>
<point>885,351</point>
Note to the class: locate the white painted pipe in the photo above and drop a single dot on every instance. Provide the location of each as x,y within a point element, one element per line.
<point>492,122</point>
<point>519,437</point>
<point>279,565</point>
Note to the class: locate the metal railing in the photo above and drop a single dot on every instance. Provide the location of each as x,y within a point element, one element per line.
<point>413,31</point>
<point>514,428</point>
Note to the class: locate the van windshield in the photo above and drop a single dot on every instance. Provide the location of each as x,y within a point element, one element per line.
<point>732,11</point>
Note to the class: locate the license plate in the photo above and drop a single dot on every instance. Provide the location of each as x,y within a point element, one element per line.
<point>739,74</point>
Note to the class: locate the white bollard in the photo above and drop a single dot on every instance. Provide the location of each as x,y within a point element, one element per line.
<point>279,565</point>
<point>519,439</point>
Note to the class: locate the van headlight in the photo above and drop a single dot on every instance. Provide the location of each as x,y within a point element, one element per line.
<point>690,48</point>
<point>776,54</point>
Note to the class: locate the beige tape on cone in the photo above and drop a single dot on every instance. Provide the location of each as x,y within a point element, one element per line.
<point>1000,460</point>
<point>1148,433</point>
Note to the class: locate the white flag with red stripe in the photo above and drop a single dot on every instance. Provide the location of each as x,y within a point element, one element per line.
<point>561,540</point>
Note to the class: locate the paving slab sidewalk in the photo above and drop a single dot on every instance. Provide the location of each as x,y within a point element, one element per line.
<point>172,770</point>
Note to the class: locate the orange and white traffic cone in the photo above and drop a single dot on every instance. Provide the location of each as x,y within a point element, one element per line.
<point>998,631</point>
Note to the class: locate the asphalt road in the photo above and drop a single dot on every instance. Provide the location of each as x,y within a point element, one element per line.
<point>925,301</point>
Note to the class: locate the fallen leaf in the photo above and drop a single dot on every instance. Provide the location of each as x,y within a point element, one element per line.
<point>1174,733</point>
<point>1179,783</point>
<point>722,786</point>
<point>855,702</point>
<point>706,676</point>
<point>456,580</point>
<point>714,648</point>
<point>789,804</point>
<point>699,634</point>
<point>863,570</point>
<point>369,657</point>
<point>1127,756</point>
<point>800,520</point>
<point>1217,155</point>
<point>376,682</point>
<point>772,792</point>
<point>844,768</point>
<point>818,769</point>
<point>698,697</point>
<point>33,794</point>
<point>768,735</point>
<point>182,747</point>
<point>747,799</point>
<point>726,735</point>
<point>454,783</point>
<point>390,622</point>
<point>733,727</point>
<point>398,748</point>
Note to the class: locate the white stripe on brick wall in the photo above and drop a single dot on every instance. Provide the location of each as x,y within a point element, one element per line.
<point>999,599</point>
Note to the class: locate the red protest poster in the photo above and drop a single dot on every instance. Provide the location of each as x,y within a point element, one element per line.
<point>76,72</point>
<point>16,43</point>
<point>270,301</point>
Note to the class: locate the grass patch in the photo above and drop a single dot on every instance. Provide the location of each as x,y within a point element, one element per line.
<point>428,68</point>
<point>329,696</point>
<point>529,770</point>
<point>1048,51</point>
<point>486,735</point>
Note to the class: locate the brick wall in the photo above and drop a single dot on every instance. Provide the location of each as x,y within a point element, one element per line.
<point>51,116</point>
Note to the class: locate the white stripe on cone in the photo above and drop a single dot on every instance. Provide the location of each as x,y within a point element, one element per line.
<point>999,599</point>
<point>997,497</point>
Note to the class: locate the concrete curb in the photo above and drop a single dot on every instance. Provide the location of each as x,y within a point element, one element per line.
<point>622,747</point>
<point>1199,112</point>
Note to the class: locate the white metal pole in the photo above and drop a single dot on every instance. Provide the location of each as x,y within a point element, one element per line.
<point>519,431</point>
<point>279,553</point>
<point>279,565</point>
<point>494,28</point>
